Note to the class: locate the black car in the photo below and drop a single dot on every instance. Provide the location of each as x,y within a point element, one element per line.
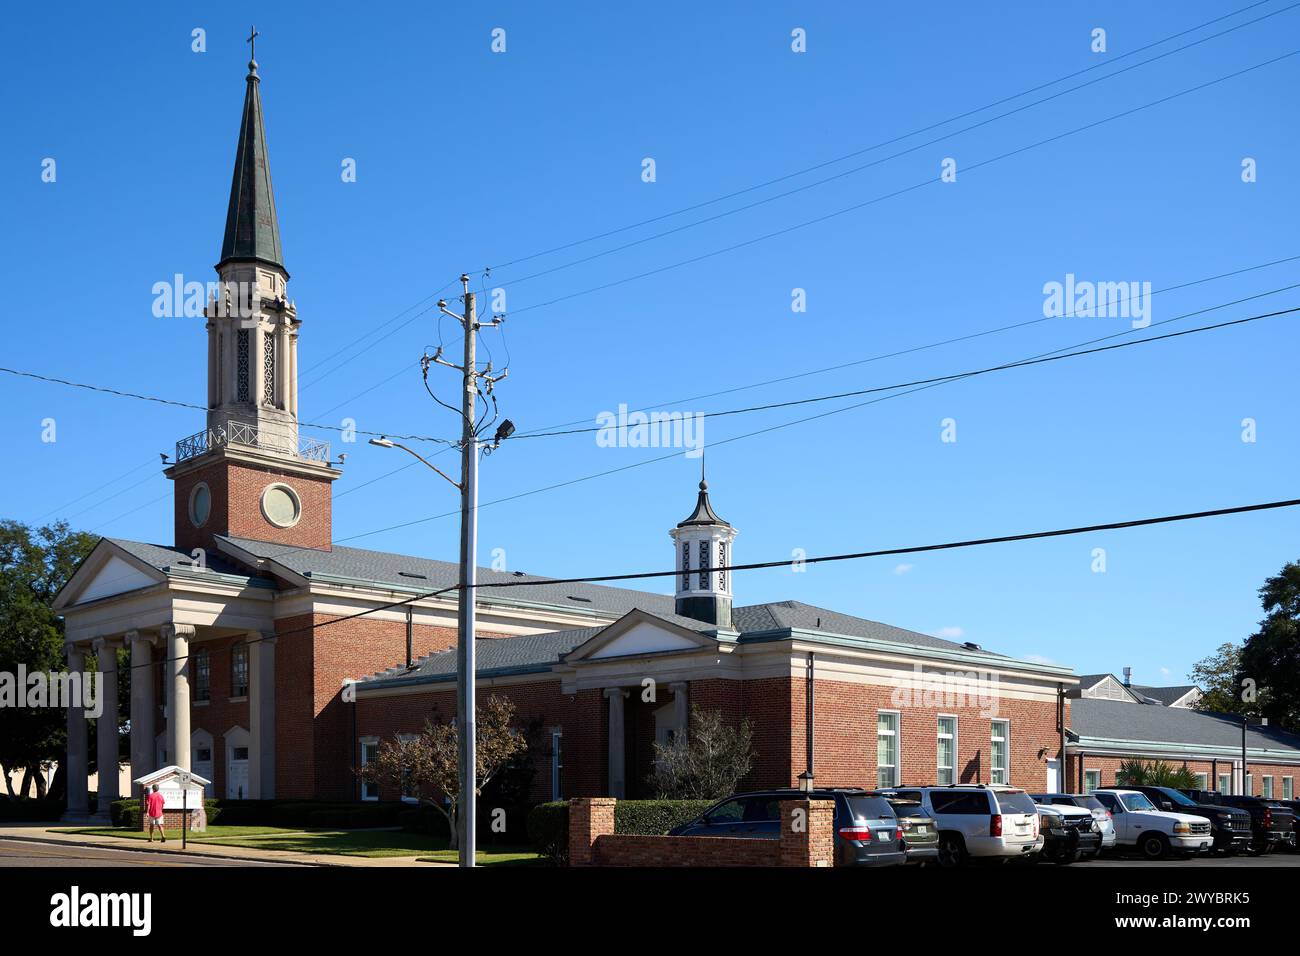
<point>1230,825</point>
<point>866,828</point>
<point>1271,823</point>
<point>1067,839</point>
<point>1293,844</point>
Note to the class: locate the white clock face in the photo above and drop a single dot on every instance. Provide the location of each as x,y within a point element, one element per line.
<point>281,506</point>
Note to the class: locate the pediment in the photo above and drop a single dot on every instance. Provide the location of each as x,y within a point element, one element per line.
<point>106,572</point>
<point>636,634</point>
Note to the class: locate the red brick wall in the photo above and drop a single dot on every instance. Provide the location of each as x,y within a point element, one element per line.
<point>236,506</point>
<point>845,737</point>
<point>220,714</point>
<point>1109,765</point>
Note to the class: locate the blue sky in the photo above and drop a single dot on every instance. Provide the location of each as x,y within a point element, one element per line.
<point>467,158</point>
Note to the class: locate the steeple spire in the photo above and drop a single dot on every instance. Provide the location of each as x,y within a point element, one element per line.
<point>252,229</point>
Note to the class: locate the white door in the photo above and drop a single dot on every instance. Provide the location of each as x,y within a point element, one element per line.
<point>237,773</point>
<point>1053,776</point>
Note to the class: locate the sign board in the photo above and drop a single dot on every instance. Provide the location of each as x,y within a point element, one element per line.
<point>181,789</point>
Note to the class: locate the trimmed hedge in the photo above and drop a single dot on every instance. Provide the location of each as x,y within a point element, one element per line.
<point>548,823</point>
<point>130,814</point>
<point>29,810</point>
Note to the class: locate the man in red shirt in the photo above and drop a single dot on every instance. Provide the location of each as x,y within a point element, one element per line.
<point>153,808</point>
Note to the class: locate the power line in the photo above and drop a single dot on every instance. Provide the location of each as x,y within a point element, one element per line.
<point>818,220</point>
<point>857,169</point>
<point>973,373</point>
<point>787,562</point>
<point>889,142</point>
<point>913,349</point>
<point>666,457</point>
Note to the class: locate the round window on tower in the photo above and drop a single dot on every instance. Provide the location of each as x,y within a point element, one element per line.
<point>200,505</point>
<point>280,506</point>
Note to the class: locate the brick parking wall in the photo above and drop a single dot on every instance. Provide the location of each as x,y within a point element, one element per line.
<point>1109,766</point>
<point>806,840</point>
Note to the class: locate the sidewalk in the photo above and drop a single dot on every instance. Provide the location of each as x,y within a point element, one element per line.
<point>54,833</point>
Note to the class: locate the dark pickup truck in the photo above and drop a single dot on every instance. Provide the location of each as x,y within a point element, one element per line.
<point>1231,826</point>
<point>1271,823</point>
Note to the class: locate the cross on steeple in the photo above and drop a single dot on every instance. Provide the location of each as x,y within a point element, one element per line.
<point>252,42</point>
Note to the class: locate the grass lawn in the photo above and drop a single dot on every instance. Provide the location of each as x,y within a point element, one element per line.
<point>368,843</point>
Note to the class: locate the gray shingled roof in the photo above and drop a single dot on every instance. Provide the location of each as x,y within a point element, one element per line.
<point>382,567</point>
<point>1120,720</point>
<point>1164,695</point>
<point>493,656</point>
<point>171,559</point>
<point>780,615</point>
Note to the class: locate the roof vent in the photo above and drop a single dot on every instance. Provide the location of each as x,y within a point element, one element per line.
<point>583,600</point>
<point>519,574</point>
<point>413,574</point>
<point>971,646</point>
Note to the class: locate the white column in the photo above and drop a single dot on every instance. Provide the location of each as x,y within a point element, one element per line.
<point>292,398</point>
<point>78,757</point>
<point>681,709</point>
<point>177,638</point>
<point>143,706</point>
<point>261,715</point>
<point>106,726</point>
<point>617,783</point>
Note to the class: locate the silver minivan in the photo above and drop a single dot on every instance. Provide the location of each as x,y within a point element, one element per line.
<point>980,821</point>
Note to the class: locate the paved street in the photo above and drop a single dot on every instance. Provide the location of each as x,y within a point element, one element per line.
<point>26,853</point>
<point>1233,862</point>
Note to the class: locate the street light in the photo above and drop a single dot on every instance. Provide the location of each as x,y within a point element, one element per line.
<point>383,442</point>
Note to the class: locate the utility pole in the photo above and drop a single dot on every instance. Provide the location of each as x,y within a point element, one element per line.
<point>466,669</point>
<point>476,385</point>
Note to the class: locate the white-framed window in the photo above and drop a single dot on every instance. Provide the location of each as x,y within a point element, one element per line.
<point>1288,788</point>
<point>369,754</point>
<point>1091,780</point>
<point>887,748</point>
<point>947,750</point>
<point>1225,783</point>
<point>1202,781</point>
<point>239,669</point>
<point>1250,785</point>
<point>1267,781</point>
<point>1000,752</point>
<point>557,764</point>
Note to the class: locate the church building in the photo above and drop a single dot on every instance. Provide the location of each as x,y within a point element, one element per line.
<point>273,663</point>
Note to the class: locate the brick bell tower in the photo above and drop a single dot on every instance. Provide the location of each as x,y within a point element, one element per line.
<point>248,474</point>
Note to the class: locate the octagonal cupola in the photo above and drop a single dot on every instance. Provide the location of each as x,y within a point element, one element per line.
<point>703,544</point>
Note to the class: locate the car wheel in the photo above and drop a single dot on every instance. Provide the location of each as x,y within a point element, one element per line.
<point>952,851</point>
<point>1153,846</point>
<point>1066,857</point>
<point>1258,848</point>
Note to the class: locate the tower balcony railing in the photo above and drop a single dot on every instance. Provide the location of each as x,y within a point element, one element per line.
<point>248,435</point>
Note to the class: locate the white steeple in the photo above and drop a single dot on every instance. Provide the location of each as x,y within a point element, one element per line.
<point>703,545</point>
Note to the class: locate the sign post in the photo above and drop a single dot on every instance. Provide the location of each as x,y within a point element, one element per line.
<point>184,779</point>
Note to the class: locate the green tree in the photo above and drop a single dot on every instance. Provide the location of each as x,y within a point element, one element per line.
<point>708,764</point>
<point>1155,774</point>
<point>34,564</point>
<point>427,766</point>
<point>1217,678</point>
<point>1270,658</point>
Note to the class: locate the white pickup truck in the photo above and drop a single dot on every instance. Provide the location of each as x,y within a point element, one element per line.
<point>1155,833</point>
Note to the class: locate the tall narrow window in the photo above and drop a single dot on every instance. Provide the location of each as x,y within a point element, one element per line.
<point>1288,788</point>
<point>241,365</point>
<point>1202,781</point>
<point>239,670</point>
<point>557,764</point>
<point>1267,793</point>
<point>202,676</point>
<point>369,754</point>
<point>704,565</point>
<point>722,564</point>
<point>1250,785</point>
<point>947,751</point>
<point>686,565</point>
<point>1225,783</point>
<point>268,368</point>
<point>998,769</point>
<point>1091,780</point>
<point>886,749</point>
<point>221,367</point>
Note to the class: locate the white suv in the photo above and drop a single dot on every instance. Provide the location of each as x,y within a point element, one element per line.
<point>1154,832</point>
<point>975,820</point>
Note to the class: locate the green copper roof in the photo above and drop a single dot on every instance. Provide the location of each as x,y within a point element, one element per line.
<point>252,230</point>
